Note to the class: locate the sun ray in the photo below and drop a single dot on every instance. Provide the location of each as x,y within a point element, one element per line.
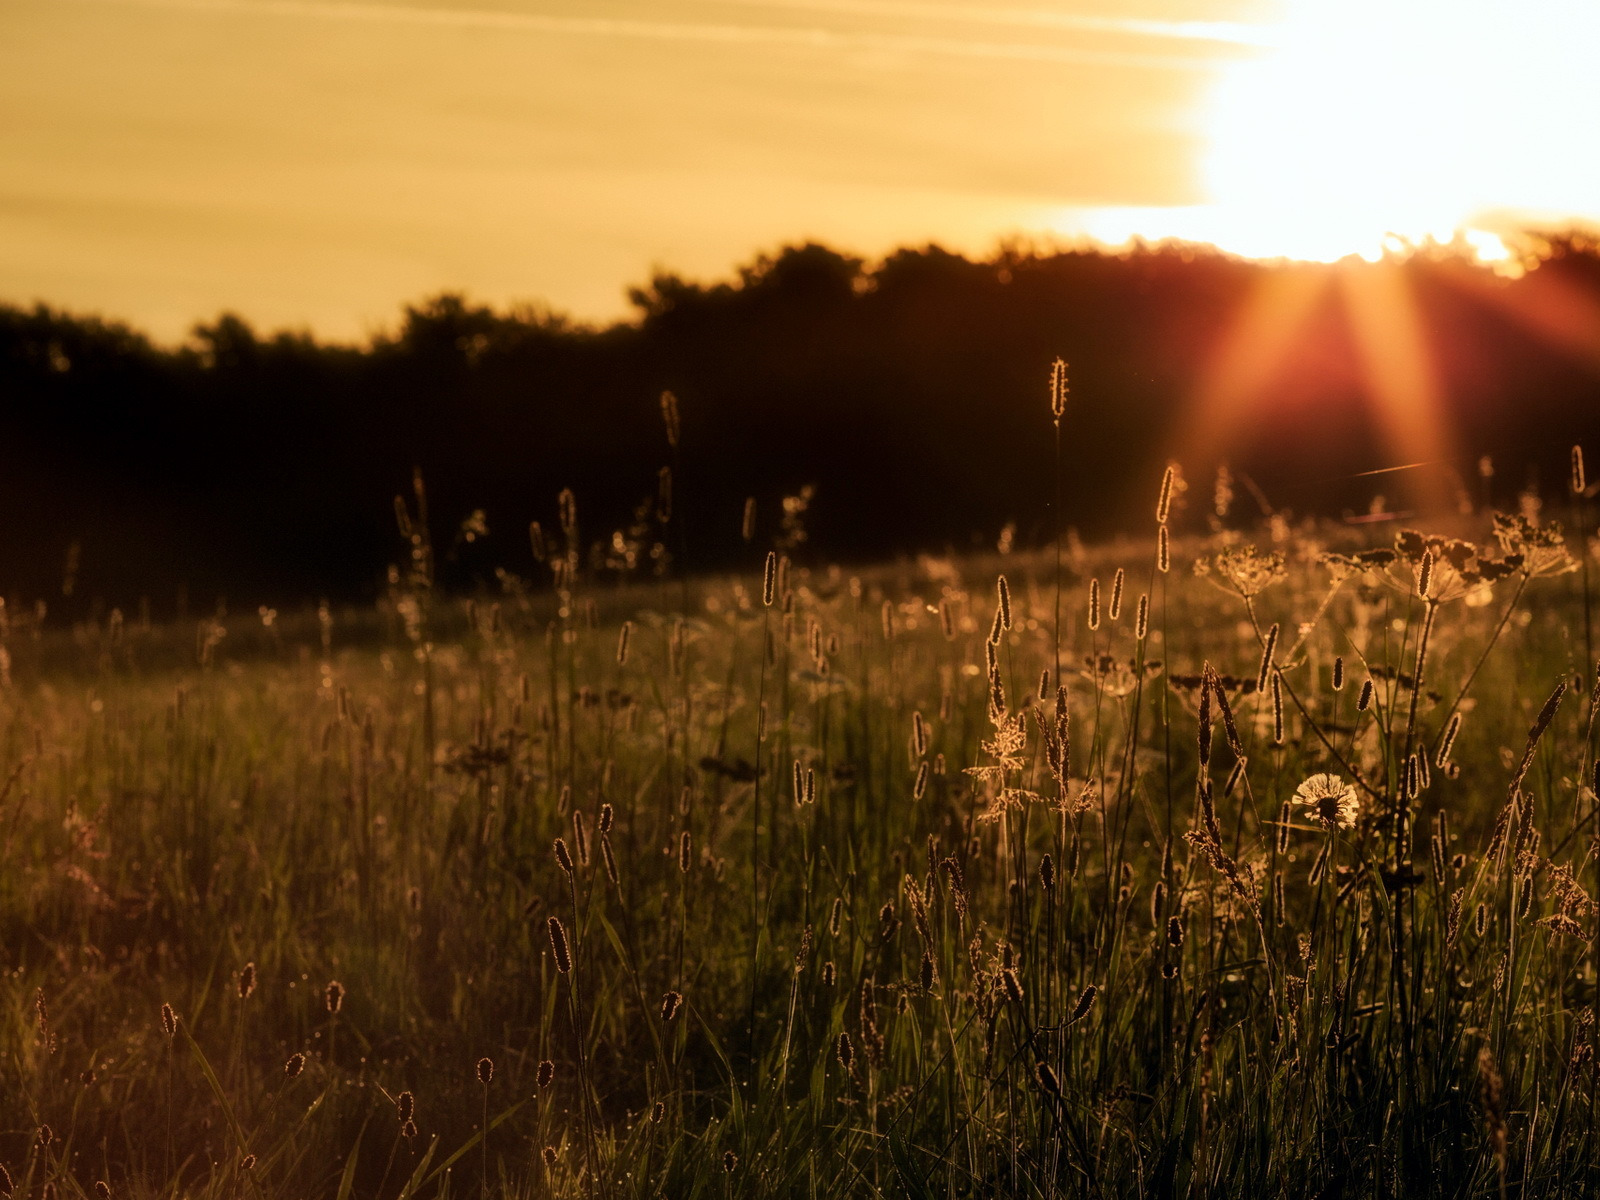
<point>1402,382</point>
<point>1251,356</point>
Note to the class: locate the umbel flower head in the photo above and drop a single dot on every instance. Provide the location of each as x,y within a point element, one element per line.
<point>1330,800</point>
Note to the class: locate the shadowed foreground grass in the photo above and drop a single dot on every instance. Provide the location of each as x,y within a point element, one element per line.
<point>676,892</point>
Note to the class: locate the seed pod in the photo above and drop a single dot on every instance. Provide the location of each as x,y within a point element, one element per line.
<point>1338,673</point>
<point>1364,701</point>
<point>1003,594</point>
<point>1085,1003</point>
<point>685,846</point>
<point>1047,873</point>
<point>485,1071</point>
<point>333,996</point>
<point>1448,742</point>
<point>622,643</point>
<point>1141,624</point>
<point>169,1021</point>
<point>1013,985</point>
<point>563,856</point>
<point>670,1004</point>
<point>546,1075</point>
<point>558,944</point>
<point>1163,550</point>
<point>769,578</point>
<point>730,1162</point>
<point>1175,932</point>
<point>997,694</point>
<point>1094,604</point>
<point>550,1158</point>
<point>1164,501</point>
<point>1058,390</point>
<point>405,1106</point>
<point>1114,609</point>
<point>921,784</point>
<point>1269,647</point>
<point>1277,708</point>
<point>658,1113</point>
<point>247,981</point>
<point>929,975</point>
<point>295,1064</point>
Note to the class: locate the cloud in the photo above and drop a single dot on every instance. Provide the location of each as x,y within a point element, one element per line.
<point>1230,33</point>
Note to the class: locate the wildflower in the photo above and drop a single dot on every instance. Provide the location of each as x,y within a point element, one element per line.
<point>1331,800</point>
<point>1244,569</point>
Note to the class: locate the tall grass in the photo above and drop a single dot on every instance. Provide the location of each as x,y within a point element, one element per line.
<point>822,884</point>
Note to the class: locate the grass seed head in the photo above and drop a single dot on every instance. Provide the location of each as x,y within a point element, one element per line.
<point>1058,389</point>
<point>1085,1002</point>
<point>558,944</point>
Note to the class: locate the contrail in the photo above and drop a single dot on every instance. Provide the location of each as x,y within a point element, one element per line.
<point>675,31</point>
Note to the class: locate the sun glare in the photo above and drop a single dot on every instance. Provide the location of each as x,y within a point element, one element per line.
<point>1369,126</point>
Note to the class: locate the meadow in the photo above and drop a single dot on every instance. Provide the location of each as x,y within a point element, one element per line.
<point>1243,856</point>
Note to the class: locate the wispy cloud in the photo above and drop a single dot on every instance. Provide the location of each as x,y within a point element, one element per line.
<point>731,34</point>
<point>1233,33</point>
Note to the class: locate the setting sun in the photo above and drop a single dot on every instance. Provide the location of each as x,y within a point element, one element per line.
<point>1370,126</point>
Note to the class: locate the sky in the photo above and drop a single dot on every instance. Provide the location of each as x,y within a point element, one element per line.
<point>315,164</point>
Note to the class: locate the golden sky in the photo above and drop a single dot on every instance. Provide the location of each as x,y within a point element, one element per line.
<point>314,163</point>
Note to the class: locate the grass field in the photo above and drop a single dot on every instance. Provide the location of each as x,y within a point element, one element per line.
<point>909,883</point>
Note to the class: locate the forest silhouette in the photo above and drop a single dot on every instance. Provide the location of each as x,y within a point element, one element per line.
<point>912,394</point>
